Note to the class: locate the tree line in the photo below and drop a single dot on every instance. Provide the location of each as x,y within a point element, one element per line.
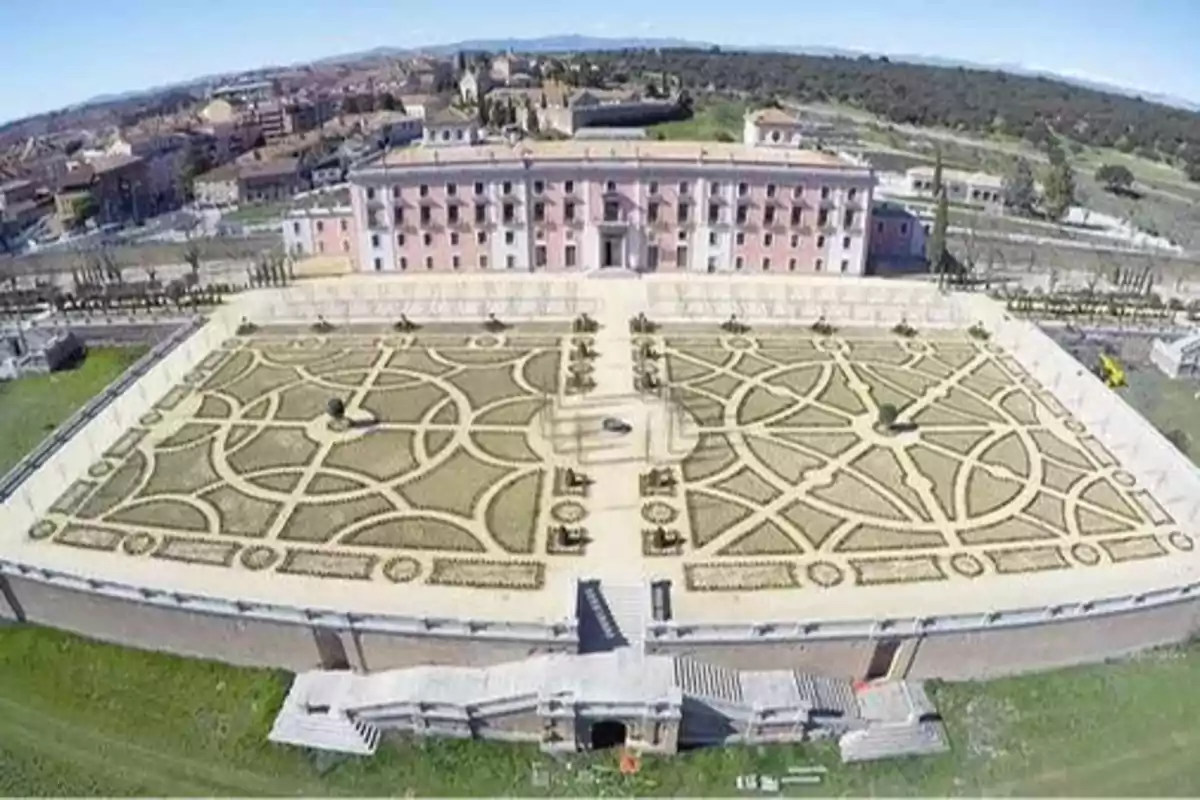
<point>974,100</point>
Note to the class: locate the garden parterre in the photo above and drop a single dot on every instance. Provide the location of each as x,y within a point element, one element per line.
<point>439,476</point>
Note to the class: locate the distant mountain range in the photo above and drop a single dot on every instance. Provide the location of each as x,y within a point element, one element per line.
<point>579,43</point>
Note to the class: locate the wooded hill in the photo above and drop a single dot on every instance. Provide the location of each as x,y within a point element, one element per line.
<point>973,100</point>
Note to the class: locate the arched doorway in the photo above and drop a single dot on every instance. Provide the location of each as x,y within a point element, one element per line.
<point>608,733</point>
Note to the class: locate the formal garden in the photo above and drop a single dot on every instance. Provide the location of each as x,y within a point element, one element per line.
<point>869,457</point>
<point>408,454</point>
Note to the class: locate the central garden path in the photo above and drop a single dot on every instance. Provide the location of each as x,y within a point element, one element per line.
<point>614,524</point>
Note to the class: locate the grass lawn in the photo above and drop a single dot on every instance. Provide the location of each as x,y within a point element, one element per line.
<point>710,122</point>
<point>254,214</point>
<point>32,407</point>
<point>1168,404</point>
<point>79,718</point>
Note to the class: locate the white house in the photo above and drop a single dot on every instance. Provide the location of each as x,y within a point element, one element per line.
<point>1178,358</point>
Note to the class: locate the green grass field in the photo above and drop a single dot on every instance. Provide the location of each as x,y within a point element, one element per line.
<point>83,718</point>
<point>32,407</point>
<point>711,122</point>
<point>77,717</point>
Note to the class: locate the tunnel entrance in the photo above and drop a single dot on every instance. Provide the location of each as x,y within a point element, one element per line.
<point>609,733</point>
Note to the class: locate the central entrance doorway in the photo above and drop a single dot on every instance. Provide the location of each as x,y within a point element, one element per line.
<point>608,733</point>
<point>612,251</point>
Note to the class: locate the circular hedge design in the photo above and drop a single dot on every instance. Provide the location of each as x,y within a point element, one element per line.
<point>138,544</point>
<point>1124,478</point>
<point>99,469</point>
<point>1074,426</point>
<point>259,557</point>
<point>150,418</point>
<point>486,342</point>
<point>43,529</point>
<point>568,512</point>
<point>1086,555</point>
<point>659,513</point>
<point>401,569</point>
<point>1181,541</point>
<point>825,574</point>
<point>966,565</point>
<point>740,343</point>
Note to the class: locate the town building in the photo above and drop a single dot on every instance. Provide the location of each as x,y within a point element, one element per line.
<point>166,155</point>
<point>970,188</point>
<point>1178,358</point>
<point>598,109</point>
<point>773,127</point>
<point>321,224</point>
<point>643,206</point>
<point>249,182</point>
<point>109,189</point>
<point>450,127</point>
<point>897,240</point>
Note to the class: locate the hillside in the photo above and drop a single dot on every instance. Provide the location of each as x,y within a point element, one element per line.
<point>975,100</point>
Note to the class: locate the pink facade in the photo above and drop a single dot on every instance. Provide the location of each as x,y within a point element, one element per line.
<point>492,208</point>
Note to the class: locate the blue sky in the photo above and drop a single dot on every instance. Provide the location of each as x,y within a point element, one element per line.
<point>58,52</point>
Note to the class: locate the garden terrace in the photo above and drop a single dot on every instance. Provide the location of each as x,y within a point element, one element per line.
<point>437,476</point>
<point>796,484</point>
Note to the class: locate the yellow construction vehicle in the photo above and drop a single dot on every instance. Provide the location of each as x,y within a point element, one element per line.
<point>1111,371</point>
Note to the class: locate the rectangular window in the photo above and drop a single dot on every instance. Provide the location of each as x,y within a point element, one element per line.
<point>768,240</point>
<point>652,257</point>
<point>739,262</point>
<point>454,239</point>
<point>483,261</point>
<point>714,214</point>
<point>427,239</point>
<point>823,218</point>
<point>370,193</point>
<point>320,226</point>
<point>451,189</point>
<point>681,256</point>
<point>903,228</point>
<point>539,212</point>
<point>539,255</point>
<point>797,215</point>
<point>481,237</point>
<point>743,214</point>
<point>791,265</point>
<point>741,239</point>
<point>426,215</point>
<point>610,186</point>
<point>539,187</point>
<point>820,242</point>
<point>509,237</point>
<point>714,189</point>
<point>681,213</point>
<point>478,188</point>
<point>568,211</point>
<point>684,188</point>
<point>879,227</point>
<point>824,192</point>
<point>374,240</point>
<point>848,219</point>
<point>771,190</point>
<point>379,265</point>
<point>396,192</point>
<point>296,228</point>
<point>797,192</point>
<point>400,240</point>
<point>852,195</point>
<point>455,262</point>
<point>845,242</point>
<point>766,264</point>
<point>403,262</point>
<point>452,215</point>
<point>569,255</point>
<point>769,215</point>
<point>398,216</point>
<point>321,246</point>
<point>652,213</point>
<point>424,190</point>
<point>612,211</point>
<point>428,262</point>
<point>345,226</point>
<point>510,262</point>
<point>481,214</point>
<point>509,213</point>
<point>569,187</point>
<point>507,187</point>
<point>795,241</point>
<point>743,189</point>
<point>712,239</point>
<point>653,187</point>
<point>818,265</point>
<point>845,266</point>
